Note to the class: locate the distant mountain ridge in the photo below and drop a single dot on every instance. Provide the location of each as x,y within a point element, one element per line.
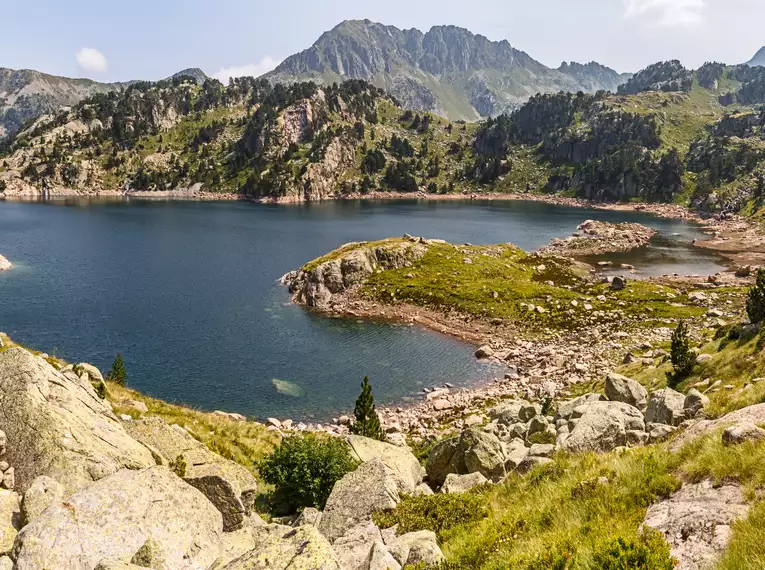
<point>447,70</point>
<point>758,59</point>
<point>26,94</point>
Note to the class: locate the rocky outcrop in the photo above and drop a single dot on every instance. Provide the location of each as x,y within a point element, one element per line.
<point>749,415</point>
<point>57,426</point>
<point>601,426</point>
<point>303,548</point>
<point>42,493</point>
<point>696,522</point>
<point>113,519</point>
<point>228,485</point>
<point>371,488</point>
<point>596,238</point>
<point>350,265</point>
<point>401,462</point>
<point>473,451</point>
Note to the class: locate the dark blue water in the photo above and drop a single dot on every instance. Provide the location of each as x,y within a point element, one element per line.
<point>188,293</point>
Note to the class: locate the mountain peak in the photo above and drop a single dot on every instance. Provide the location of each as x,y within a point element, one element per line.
<point>448,70</point>
<point>758,59</point>
<point>194,72</point>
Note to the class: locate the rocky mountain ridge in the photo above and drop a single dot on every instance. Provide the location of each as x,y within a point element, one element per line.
<point>447,70</point>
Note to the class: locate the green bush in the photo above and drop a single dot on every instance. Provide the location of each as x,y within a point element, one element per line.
<point>755,302</point>
<point>542,437</point>
<point>434,512</point>
<point>683,358</point>
<point>304,468</point>
<point>648,552</point>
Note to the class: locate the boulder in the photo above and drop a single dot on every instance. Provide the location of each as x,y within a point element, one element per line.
<point>567,408</point>
<point>530,462</point>
<point>658,432</point>
<point>399,460</point>
<point>308,516</point>
<point>462,483</point>
<point>10,520</point>
<point>353,549</point>
<point>508,413</point>
<point>416,547</point>
<point>484,352</point>
<point>529,411</point>
<point>665,406</point>
<point>381,559</point>
<point>633,418</point>
<point>57,426</point>
<point>42,493</point>
<point>228,485</point>
<point>515,452</point>
<point>422,489</point>
<point>482,453</point>
<point>116,516</point>
<point>442,460</point>
<point>602,426</point>
<point>742,432</point>
<point>117,565</point>
<point>696,522</point>
<point>622,389</point>
<point>371,488</point>
<point>694,403</point>
<point>302,548</point>
<point>618,283</point>
<point>94,374</point>
<point>541,450</point>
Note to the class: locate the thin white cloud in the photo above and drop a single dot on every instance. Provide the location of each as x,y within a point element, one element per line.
<point>90,59</point>
<point>666,13</point>
<point>250,69</point>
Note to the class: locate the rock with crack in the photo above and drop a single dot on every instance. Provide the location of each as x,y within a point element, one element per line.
<point>116,516</point>
<point>696,522</point>
<point>228,485</point>
<point>622,389</point>
<point>354,548</point>
<point>302,548</point>
<point>57,426</point>
<point>665,406</point>
<point>601,426</point>
<point>404,465</point>
<point>473,451</point>
<point>373,487</point>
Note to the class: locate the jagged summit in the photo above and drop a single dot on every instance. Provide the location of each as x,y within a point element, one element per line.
<point>448,69</point>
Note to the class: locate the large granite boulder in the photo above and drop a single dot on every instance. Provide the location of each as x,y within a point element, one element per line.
<point>42,493</point>
<point>381,559</point>
<point>303,548</point>
<point>371,488</point>
<point>566,409</point>
<point>622,389</point>
<point>10,519</point>
<point>353,549</point>
<point>400,460</point>
<point>456,484</point>
<point>57,426</point>
<point>114,518</point>
<point>473,451</point>
<point>228,485</point>
<point>665,406</point>
<point>509,412</point>
<point>601,426</point>
<point>694,403</point>
<point>416,547</point>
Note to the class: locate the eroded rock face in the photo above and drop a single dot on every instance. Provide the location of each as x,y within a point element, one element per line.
<point>696,522</point>
<point>315,288</point>
<point>57,426</point>
<point>116,516</point>
<point>303,548</point>
<point>228,485</point>
<point>371,488</point>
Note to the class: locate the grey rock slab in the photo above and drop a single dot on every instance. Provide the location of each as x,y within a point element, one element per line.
<point>42,493</point>
<point>57,426</point>
<point>115,517</point>
<point>665,406</point>
<point>622,389</point>
<point>400,460</point>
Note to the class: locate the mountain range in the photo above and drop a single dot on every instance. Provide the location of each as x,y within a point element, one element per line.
<point>758,59</point>
<point>448,70</point>
<point>26,94</point>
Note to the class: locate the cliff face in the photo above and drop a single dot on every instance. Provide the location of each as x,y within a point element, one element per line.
<point>448,70</point>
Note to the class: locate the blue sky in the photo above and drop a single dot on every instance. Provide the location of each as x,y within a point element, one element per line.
<point>142,39</point>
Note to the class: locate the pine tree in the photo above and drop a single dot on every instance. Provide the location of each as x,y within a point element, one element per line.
<point>755,303</point>
<point>367,423</point>
<point>683,358</point>
<point>117,374</point>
